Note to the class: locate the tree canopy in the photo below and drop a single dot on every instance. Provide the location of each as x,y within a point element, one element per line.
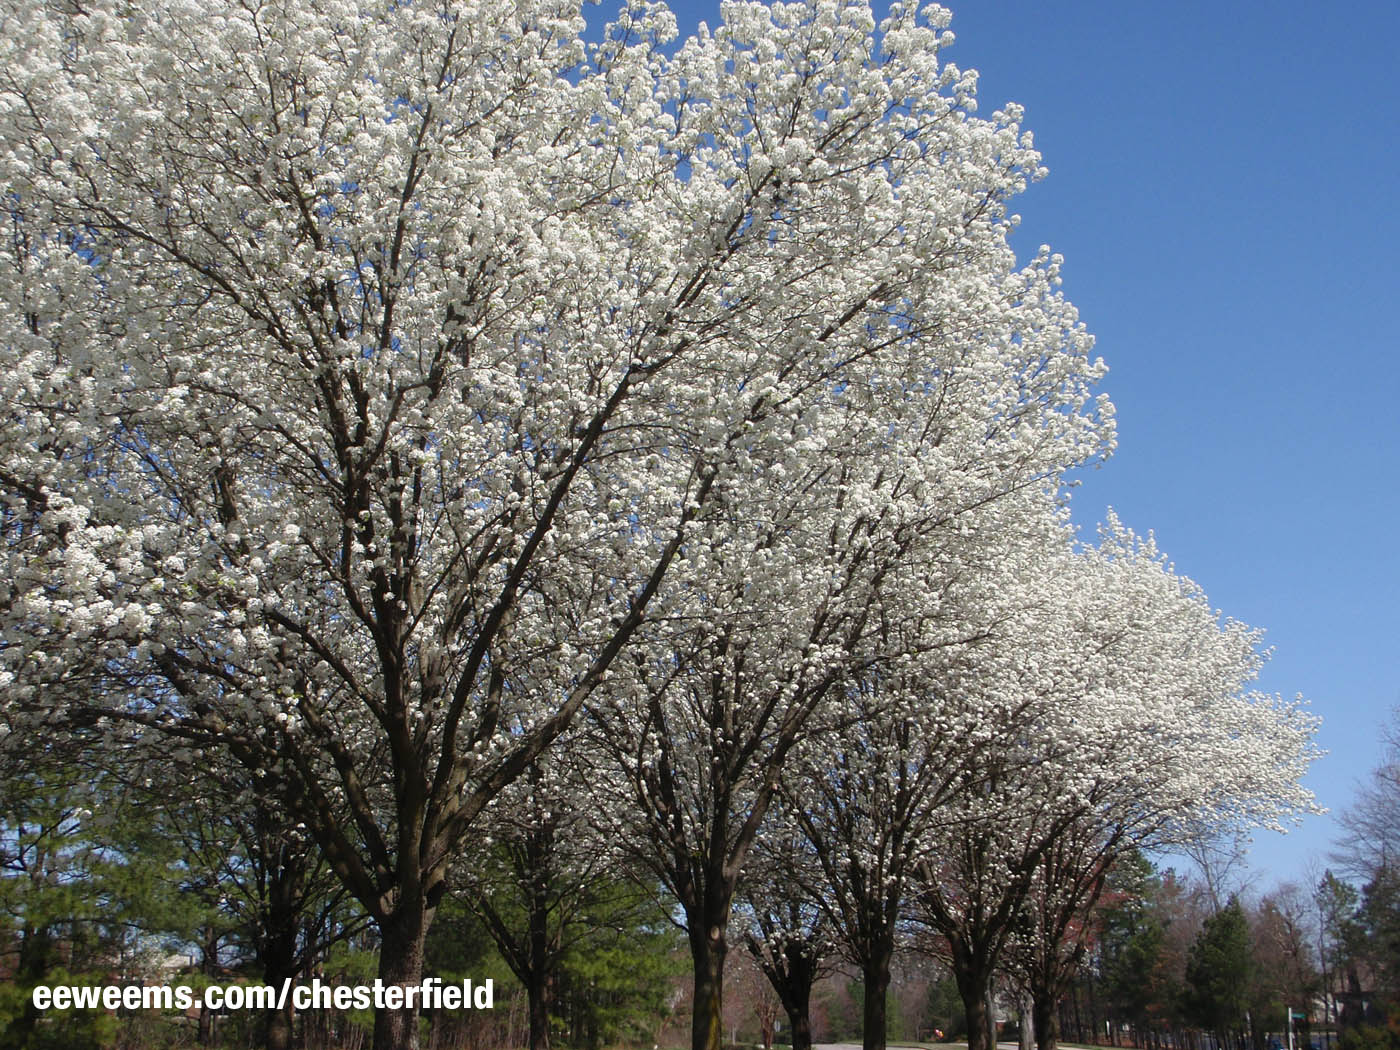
<point>389,387</point>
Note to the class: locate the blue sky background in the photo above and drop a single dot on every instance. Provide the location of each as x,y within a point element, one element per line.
<point>1223,186</point>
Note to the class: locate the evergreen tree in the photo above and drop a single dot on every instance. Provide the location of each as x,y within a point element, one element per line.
<point>1132,944</point>
<point>1379,919</point>
<point>87,884</point>
<point>1218,971</point>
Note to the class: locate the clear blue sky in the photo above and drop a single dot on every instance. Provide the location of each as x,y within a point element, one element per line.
<point>1223,185</point>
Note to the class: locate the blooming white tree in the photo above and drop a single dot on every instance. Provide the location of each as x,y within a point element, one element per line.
<point>1151,733</point>
<point>702,724</point>
<point>872,797</point>
<point>368,369</point>
<point>784,922</point>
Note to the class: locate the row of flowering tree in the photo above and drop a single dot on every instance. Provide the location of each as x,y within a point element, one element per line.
<point>396,391</point>
<point>980,819</point>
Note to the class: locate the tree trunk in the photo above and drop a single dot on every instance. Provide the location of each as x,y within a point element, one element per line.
<point>765,1027</point>
<point>707,951</point>
<point>279,1029</point>
<point>877,984</point>
<point>401,963</point>
<point>36,948</point>
<point>800,1020</point>
<point>280,1023</point>
<point>1027,1028</point>
<point>792,975</point>
<point>209,966</point>
<point>972,988</point>
<point>538,994</point>
<point>1078,1019</point>
<point>278,952</point>
<point>540,948</point>
<point>1045,1019</point>
<point>1094,1013</point>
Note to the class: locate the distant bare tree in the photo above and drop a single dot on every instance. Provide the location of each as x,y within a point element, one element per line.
<point>1370,837</point>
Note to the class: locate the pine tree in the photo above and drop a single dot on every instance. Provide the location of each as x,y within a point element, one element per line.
<point>1218,971</point>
